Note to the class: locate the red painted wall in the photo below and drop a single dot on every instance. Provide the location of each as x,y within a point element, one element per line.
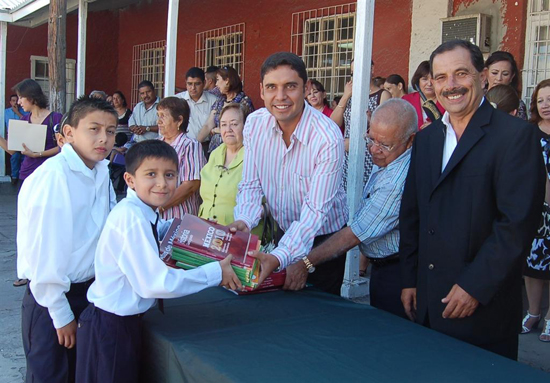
<point>268,27</point>
<point>515,20</point>
<point>101,57</point>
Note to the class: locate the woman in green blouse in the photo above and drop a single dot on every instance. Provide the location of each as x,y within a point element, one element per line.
<point>223,172</point>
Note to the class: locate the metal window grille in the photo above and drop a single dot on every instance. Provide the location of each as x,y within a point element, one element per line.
<point>537,47</point>
<point>40,72</point>
<point>221,47</point>
<point>148,64</point>
<point>324,39</point>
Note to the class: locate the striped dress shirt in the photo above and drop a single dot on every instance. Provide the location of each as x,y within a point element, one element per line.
<point>376,223</point>
<point>192,160</point>
<point>302,183</point>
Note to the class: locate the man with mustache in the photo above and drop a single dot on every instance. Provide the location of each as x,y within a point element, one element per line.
<point>471,205</point>
<point>143,121</point>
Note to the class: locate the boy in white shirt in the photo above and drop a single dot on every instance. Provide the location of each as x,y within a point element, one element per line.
<point>130,273</point>
<point>61,210</point>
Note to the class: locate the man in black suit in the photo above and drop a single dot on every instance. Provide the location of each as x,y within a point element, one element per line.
<point>470,209</point>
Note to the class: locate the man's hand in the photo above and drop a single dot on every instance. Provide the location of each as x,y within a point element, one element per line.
<point>268,263</point>
<point>408,298</point>
<point>296,276</point>
<point>66,335</point>
<point>460,304</point>
<point>238,226</point>
<point>229,278</point>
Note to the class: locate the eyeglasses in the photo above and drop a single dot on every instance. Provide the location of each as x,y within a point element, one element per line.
<point>384,148</point>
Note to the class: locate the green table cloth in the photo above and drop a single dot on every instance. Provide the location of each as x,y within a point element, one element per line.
<point>307,336</point>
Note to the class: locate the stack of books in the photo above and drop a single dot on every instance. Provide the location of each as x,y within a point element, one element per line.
<point>191,242</point>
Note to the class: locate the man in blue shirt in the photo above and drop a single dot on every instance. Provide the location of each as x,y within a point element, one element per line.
<point>375,226</point>
<point>14,112</point>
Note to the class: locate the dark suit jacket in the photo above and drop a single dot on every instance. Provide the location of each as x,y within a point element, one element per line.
<point>474,223</point>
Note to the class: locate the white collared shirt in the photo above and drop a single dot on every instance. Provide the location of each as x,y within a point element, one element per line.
<point>200,111</point>
<point>61,210</point>
<point>451,140</point>
<point>302,183</point>
<point>129,275</point>
<point>142,116</point>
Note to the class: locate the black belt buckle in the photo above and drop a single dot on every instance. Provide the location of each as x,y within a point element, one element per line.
<point>381,262</point>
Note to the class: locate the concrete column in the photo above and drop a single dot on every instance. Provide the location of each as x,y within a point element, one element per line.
<point>171,46</point>
<point>81,54</point>
<point>3,42</point>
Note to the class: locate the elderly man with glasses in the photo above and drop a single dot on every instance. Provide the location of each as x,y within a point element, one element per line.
<point>375,226</point>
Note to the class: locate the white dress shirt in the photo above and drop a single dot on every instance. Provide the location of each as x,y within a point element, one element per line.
<point>200,111</point>
<point>302,183</point>
<point>451,140</point>
<point>61,211</point>
<point>129,275</point>
<point>142,116</point>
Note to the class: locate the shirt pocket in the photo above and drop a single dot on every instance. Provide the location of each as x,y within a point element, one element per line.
<point>301,185</point>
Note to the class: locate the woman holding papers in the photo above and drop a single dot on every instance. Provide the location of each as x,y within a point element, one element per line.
<point>34,101</point>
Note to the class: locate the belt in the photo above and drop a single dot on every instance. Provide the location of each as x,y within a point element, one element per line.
<point>119,317</point>
<point>380,262</point>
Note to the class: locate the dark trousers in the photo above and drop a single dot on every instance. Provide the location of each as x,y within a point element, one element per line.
<point>329,275</point>
<point>385,288</point>
<point>47,360</point>
<point>108,347</point>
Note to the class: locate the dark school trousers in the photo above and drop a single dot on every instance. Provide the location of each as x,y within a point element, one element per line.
<point>385,287</point>
<point>108,347</point>
<point>47,360</point>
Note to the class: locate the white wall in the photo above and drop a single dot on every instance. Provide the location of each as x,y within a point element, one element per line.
<point>426,29</point>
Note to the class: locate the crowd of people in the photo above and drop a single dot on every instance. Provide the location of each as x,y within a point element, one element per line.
<point>454,210</point>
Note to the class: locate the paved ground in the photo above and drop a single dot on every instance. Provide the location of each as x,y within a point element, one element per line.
<point>12,360</point>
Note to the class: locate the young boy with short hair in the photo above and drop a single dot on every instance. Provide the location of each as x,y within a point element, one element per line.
<point>61,210</point>
<point>130,273</point>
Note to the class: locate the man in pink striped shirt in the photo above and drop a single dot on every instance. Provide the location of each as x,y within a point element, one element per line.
<point>294,157</point>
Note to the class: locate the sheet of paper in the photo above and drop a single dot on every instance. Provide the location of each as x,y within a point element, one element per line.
<point>32,135</point>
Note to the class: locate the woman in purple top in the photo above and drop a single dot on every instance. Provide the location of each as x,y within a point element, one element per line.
<point>34,101</point>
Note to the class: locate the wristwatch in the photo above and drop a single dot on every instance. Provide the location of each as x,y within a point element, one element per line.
<point>147,128</point>
<point>309,265</point>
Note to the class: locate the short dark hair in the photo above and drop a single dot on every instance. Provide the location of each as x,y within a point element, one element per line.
<point>284,58</point>
<point>535,116</point>
<point>120,139</point>
<point>30,89</point>
<point>422,70</point>
<point>177,107</point>
<point>499,56</point>
<point>396,79</point>
<point>124,103</point>
<point>504,97</point>
<point>85,105</point>
<point>195,72</point>
<point>212,69</point>
<point>145,83</point>
<point>13,95</point>
<point>230,74</point>
<point>475,53</point>
<point>149,149</point>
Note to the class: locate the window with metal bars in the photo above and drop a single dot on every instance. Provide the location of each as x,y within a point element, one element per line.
<point>40,73</point>
<point>324,39</point>
<point>148,64</point>
<point>537,47</point>
<point>221,47</point>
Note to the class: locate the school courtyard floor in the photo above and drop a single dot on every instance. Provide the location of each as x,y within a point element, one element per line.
<point>12,359</point>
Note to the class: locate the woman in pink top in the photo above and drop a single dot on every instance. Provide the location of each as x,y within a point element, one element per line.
<point>173,119</point>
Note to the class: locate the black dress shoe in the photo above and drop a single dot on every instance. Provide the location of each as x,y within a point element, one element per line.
<point>14,181</point>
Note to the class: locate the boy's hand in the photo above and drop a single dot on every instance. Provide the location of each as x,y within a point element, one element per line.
<point>268,264</point>
<point>229,278</point>
<point>66,335</point>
